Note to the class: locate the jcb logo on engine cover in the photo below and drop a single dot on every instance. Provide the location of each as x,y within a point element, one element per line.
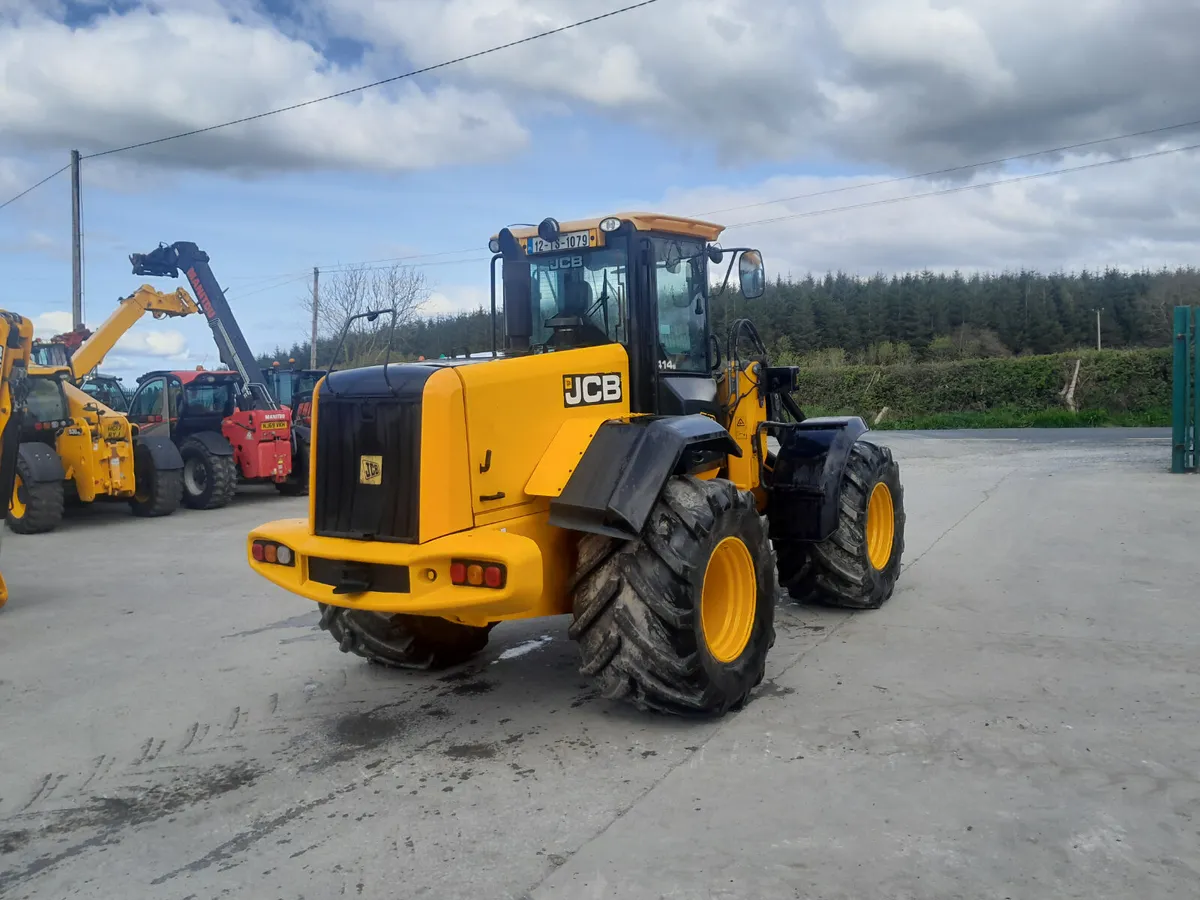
<point>370,470</point>
<point>590,390</point>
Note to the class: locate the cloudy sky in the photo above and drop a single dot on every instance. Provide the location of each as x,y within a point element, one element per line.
<point>774,117</point>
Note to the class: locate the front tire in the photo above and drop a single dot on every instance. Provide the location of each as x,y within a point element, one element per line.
<point>857,566</point>
<point>157,492</point>
<point>209,480</point>
<point>402,641</point>
<point>35,507</point>
<point>680,620</point>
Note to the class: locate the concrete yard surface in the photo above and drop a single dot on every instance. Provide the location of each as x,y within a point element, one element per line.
<point>1020,720</point>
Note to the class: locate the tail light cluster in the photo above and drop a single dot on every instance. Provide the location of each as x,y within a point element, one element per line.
<point>271,552</point>
<point>50,426</point>
<point>475,573</point>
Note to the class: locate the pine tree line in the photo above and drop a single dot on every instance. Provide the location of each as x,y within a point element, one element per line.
<point>920,315</point>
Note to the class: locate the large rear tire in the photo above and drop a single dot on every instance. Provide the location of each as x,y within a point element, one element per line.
<point>209,480</point>
<point>35,507</point>
<point>680,620</point>
<point>857,566</point>
<point>402,641</point>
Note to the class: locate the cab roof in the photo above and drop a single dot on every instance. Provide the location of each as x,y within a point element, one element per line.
<point>189,375</point>
<point>642,221</point>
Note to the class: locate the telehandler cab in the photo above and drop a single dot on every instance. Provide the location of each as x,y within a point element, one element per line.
<point>72,444</point>
<point>611,462</point>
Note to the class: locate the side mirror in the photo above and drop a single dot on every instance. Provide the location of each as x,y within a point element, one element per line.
<point>752,274</point>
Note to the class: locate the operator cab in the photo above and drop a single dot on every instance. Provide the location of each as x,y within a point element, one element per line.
<point>183,403</point>
<point>108,390</point>
<point>46,407</point>
<point>638,279</point>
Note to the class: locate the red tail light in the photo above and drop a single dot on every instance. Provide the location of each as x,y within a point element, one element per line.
<point>271,552</point>
<point>478,573</point>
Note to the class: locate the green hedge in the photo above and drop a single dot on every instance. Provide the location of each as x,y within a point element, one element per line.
<point>1124,385</point>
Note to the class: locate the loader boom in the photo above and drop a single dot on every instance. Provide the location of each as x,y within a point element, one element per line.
<point>166,262</point>
<point>144,300</point>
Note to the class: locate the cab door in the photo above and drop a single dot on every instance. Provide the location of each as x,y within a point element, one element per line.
<point>148,408</point>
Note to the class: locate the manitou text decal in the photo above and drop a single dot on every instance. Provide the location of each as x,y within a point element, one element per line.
<point>590,390</point>
<point>370,470</point>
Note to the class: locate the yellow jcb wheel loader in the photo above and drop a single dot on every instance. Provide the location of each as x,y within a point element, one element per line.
<point>16,341</point>
<point>610,462</point>
<point>72,444</point>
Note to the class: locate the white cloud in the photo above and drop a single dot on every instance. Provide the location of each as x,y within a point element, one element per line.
<point>48,324</point>
<point>903,83</point>
<point>1136,215</point>
<point>142,75</point>
<point>456,299</point>
<point>158,344</point>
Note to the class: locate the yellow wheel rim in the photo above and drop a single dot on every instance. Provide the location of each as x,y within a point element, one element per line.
<point>881,526</point>
<point>17,505</point>
<point>728,600</point>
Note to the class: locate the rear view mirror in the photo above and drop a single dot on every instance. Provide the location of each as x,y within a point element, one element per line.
<point>752,274</point>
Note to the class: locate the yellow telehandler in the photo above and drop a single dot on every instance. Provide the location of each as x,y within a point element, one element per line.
<point>16,340</point>
<point>72,444</point>
<point>616,461</point>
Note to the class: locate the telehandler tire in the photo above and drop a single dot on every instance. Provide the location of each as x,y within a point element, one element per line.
<point>857,566</point>
<point>157,492</point>
<point>35,506</point>
<point>402,641</point>
<point>209,480</point>
<point>680,620</point>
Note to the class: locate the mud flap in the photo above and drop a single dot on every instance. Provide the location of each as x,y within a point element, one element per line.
<point>161,451</point>
<point>42,463</point>
<point>804,484</point>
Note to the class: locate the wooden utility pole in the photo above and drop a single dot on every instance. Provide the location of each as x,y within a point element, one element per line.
<point>76,247</point>
<point>1099,310</point>
<point>312,353</point>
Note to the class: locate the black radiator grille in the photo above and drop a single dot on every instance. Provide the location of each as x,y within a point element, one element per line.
<point>361,439</point>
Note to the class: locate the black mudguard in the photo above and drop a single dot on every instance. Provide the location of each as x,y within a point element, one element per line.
<point>162,452</point>
<point>805,485</point>
<point>301,440</point>
<point>624,468</point>
<point>214,442</point>
<point>42,463</point>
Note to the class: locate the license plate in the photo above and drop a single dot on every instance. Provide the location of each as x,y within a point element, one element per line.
<point>269,425</point>
<point>571,240</point>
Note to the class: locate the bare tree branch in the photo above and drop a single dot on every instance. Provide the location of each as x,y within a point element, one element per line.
<point>355,290</point>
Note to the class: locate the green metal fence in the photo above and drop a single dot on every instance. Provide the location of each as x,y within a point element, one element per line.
<point>1185,395</point>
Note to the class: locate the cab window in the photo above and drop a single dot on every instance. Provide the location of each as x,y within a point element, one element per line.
<point>148,401</point>
<point>46,402</point>
<point>588,285</point>
<point>109,393</point>
<point>682,295</point>
<point>212,399</point>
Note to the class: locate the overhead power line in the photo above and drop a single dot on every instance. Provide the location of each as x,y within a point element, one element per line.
<point>422,71</point>
<point>34,187</point>
<point>968,187</point>
<point>952,169</point>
